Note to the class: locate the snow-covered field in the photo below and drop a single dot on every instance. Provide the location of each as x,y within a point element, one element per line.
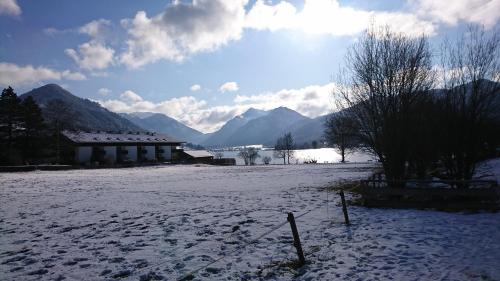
<point>164,222</point>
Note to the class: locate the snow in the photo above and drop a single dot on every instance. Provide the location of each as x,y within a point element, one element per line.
<point>491,168</point>
<point>140,223</point>
<point>198,153</point>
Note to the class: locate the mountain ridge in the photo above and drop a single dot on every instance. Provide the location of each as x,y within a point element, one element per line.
<point>87,114</point>
<point>161,123</point>
<point>254,126</point>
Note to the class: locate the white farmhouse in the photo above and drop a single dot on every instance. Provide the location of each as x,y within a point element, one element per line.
<point>121,148</point>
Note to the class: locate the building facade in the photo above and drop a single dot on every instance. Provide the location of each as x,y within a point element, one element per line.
<point>121,148</point>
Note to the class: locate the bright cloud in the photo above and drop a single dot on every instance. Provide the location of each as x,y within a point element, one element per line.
<point>104,91</point>
<point>9,7</point>
<point>229,87</point>
<point>182,29</point>
<point>94,54</point>
<point>187,28</point>
<point>130,96</point>
<point>329,17</point>
<point>483,12</point>
<point>310,101</point>
<point>187,109</point>
<point>272,17</point>
<point>96,29</point>
<point>12,74</point>
<point>195,88</point>
<point>91,55</point>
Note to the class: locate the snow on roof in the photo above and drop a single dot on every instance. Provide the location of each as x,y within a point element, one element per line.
<point>129,137</point>
<point>198,153</point>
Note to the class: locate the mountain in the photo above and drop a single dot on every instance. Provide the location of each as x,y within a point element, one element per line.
<point>161,123</point>
<point>256,127</point>
<point>309,130</point>
<point>221,136</point>
<point>252,127</point>
<point>87,115</point>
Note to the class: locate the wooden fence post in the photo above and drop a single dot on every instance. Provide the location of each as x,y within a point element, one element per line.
<point>344,207</point>
<point>296,239</point>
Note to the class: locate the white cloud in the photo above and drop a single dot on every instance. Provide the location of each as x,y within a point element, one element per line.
<point>51,31</point>
<point>12,74</point>
<point>483,12</point>
<point>9,7</point>
<point>229,87</point>
<point>186,109</point>
<point>311,101</point>
<point>195,88</point>
<point>130,96</point>
<point>96,29</point>
<point>273,17</point>
<point>94,54</point>
<point>181,30</point>
<point>104,91</point>
<point>330,17</point>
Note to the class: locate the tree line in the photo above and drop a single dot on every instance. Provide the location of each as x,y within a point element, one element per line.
<point>26,137</point>
<point>419,118</point>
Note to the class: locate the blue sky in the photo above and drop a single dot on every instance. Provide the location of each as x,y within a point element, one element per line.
<point>205,61</point>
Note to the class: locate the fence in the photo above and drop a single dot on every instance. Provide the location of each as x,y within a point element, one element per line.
<point>291,219</point>
<point>441,194</point>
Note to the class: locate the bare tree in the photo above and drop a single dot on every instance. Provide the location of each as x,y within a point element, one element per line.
<point>218,155</point>
<point>470,100</point>
<point>284,148</point>
<point>266,160</point>
<point>279,151</point>
<point>249,155</point>
<point>341,131</point>
<point>386,72</point>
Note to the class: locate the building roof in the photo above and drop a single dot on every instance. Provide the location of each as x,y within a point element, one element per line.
<point>198,153</point>
<point>118,138</point>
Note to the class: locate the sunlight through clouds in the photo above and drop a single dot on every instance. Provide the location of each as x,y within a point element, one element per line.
<point>330,17</point>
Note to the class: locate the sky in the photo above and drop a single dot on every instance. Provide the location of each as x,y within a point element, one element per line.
<point>203,62</point>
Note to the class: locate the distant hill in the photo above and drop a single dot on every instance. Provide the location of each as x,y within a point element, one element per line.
<point>264,127</point>
<point>88,115</point>
<point>222,136</point>
<point>164,124</point>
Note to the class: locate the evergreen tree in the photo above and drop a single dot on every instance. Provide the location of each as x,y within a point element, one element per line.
<point>10,123</point>
<point>59,117</point>
<point>32,122</point>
